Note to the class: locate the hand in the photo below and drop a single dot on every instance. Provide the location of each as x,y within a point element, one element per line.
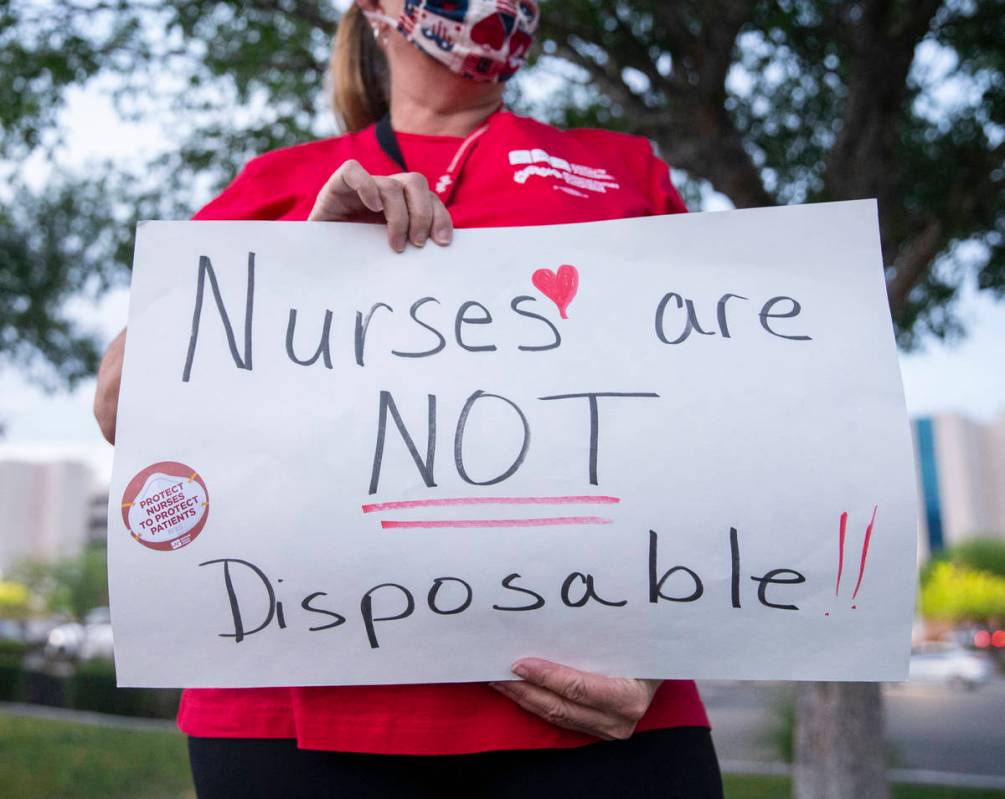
<point>605,707</point>
<point>106,393</point>
<point>413,213</point>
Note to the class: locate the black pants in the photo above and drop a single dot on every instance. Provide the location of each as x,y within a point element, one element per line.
<point>672,764</point>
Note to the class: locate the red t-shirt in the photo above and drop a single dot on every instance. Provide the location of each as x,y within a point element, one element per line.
<point>518,172</point>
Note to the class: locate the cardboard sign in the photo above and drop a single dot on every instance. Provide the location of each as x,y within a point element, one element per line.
<point>659,447</point>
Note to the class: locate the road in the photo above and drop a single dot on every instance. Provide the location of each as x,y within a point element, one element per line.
<point>928,726</point>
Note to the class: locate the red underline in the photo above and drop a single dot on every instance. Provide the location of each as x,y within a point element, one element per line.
<point>556,521</point>
<point>452,501</point>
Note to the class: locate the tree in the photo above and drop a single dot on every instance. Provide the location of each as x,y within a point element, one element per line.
<point>811,100</point>
<point>64,243</point>
<point>193,64</point>
<point>766,102</point>
<point>979,554</point>
<point>71,585</point>
<point>839,742</point>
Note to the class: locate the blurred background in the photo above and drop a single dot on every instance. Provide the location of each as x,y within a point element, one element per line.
<point>113,111</point>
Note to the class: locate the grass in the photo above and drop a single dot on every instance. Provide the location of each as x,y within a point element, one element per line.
<point>41,758</point>
<point>743,787</point>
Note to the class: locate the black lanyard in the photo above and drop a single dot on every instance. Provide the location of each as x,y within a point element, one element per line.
<point>447,182</point>
<point>389,142</point>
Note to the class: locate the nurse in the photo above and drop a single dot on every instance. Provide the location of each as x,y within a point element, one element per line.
<point>429,147</point>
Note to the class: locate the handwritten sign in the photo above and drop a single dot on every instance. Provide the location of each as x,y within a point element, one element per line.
<point>660,447</point>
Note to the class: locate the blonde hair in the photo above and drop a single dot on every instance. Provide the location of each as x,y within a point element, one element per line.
<point>357,72</point>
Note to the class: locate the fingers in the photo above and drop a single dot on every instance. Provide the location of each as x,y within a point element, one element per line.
<point>428,217</point>
<point>607,707</point>
<point>628,698</point>
<point>564,713</point>
<point>396,212</point>
<point>350,190</point>
<point>419,201</point>
<point>443,225</point>
<point>412,212</point>
<point>351,178</point>
<point>106,394</point>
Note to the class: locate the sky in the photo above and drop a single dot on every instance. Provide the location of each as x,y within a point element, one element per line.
<point>966,376</point>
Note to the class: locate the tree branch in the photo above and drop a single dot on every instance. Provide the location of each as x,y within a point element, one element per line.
<point>913,262</point>
<point>877,91</point>
<point>690,121</point>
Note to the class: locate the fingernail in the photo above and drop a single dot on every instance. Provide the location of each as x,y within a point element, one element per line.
<point>442,235</point>
<point>419,240</point>
<point>520,670</point>
<point>398,245</point>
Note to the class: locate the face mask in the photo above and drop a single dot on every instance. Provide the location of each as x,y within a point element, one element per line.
<point>486,40</point>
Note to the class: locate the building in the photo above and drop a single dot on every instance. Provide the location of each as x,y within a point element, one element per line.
<point>961,471</point>
<point>46,509</point>
<point>53,508</point>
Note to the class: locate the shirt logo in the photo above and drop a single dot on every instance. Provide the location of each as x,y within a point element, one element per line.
<point>538,163</point>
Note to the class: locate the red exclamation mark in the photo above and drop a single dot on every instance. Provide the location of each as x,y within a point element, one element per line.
<point>865,553</point>
<point>841,537</point>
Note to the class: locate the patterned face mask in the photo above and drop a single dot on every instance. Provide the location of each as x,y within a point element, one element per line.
<point>486,40</point>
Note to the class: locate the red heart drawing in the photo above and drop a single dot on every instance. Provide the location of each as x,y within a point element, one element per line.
<point>490,32</point>
<point>559,288</point>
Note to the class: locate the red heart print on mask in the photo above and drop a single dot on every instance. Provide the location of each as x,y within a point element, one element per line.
<point>560,288</point>
<point>490,32</point>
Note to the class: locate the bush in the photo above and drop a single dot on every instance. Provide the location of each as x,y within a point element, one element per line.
<point>11,670</point>
<point>977,554</point>
<point>11,679</point>
<point>40,688</point>
<point>14,650</point>
<point>93,687</point>
<point>981,554</point>
<point>72,585</point>
<point>15,600</point>
<point>958,594</point>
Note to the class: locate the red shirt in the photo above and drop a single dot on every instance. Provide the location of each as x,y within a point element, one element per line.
<point>519,172</point>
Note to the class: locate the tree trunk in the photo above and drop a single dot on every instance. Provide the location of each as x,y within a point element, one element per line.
<point>840,752</point>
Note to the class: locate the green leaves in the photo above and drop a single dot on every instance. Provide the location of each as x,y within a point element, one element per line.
<point>809,100</point>
<point>70,585</point>
<point>55,246</point>
<point>962,594</point>
<point>226,80</point>
<point>770,101</point>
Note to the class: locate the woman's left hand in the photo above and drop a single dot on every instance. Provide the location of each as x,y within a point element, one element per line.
<point>605,707</point>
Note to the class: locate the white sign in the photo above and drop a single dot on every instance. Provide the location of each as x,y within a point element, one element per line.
<point>659,447</point>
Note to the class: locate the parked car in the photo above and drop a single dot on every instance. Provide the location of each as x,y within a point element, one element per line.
<point>64,642</point>
<point>88,641</point>
<point>12,631</point>
<point>97,642</point>
<point>950,664</point>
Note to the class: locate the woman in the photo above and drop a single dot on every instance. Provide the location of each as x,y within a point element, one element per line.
<point>419,86</point>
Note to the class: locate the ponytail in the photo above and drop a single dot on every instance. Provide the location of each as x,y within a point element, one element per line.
<point>358,73</point>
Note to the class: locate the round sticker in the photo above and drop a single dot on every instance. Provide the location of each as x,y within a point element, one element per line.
<point>165,506</point>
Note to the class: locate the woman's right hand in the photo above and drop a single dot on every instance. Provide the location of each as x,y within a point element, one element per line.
<point>106,393</point>
<point>412,212</point>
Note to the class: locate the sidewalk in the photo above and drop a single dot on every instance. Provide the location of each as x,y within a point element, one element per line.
<point>899,775</point>
<point>86,717</point>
